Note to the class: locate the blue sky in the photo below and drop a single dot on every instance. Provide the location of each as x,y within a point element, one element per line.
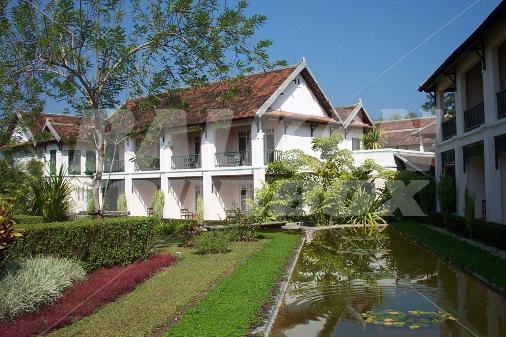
<point>348,44</point>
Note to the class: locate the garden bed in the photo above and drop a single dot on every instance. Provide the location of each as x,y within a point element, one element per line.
<point>101,286</point>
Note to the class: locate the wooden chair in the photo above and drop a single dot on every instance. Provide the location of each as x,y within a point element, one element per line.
<point>150,211</point>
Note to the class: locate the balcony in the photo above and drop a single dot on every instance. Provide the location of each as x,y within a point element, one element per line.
<point>474,117</point>
<point>151,164</point>
<point>501,104</point>
<point>236,158</point>
<point>75,169</point>
<point>116,165</point>
<point>272,156</point>
<point>185,162</point>
<point>449,128</point>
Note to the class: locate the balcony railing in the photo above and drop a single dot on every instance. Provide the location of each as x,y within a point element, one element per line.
<point>272,156</point>
<point>185,162</point>
<point>474,117</point>
<point>501,104</point>
<point>152,164</point>
<point>117,165</point>
<point>449,128</point>
<point>237,158</point>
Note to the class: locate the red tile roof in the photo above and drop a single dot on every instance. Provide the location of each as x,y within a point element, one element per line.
<point>406,124</point>
<point>345,111</point>
<point>198,103</point>
<point>407,131</point>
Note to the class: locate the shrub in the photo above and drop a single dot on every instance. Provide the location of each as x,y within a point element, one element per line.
<point>169,226</point>
<point>96,242</point>
<point>121,203</point>
<point>373,139</point>
<point>245,233</point>
<point>27,284</point>
<point>84,298</point>
<point>27,219</point>
<point>200,210</point>
<point>469,211</point>
<point>212,242</point>
<point>445,191</point>
<point>158,203</point>
<point>7,233</point>
<point>90,205</point>
<point>55,193</point>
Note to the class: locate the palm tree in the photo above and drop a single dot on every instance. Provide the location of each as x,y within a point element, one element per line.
<point>373,139</point>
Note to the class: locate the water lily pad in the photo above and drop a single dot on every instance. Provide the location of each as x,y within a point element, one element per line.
<point>413,319</point>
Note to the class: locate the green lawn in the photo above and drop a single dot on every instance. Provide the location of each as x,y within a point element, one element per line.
<point>459,253</point>
<point>156,303</point>
<point>231,308</point>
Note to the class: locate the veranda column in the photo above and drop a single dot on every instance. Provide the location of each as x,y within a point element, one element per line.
<point>460,103</point>
<point>165,151</point>
<point>258,154</point>
<point>129,155</point>
<point>492,181</point>
<point>129,195</point>
<point>439,137</point>
<point>208,153</point>
<point>460,179</point>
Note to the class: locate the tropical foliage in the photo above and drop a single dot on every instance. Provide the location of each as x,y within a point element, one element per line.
<point>446,196</point>
<point>329,187</point>
<point>121,203</point>
<point>7,233</point>
<point>469,211</point>
<point>373,139</point>
<point>212,242</point>
<point>54,196</point>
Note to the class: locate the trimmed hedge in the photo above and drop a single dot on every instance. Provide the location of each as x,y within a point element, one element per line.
<point>489,233</point>
<point>97,242</point>
<point>27,219</point>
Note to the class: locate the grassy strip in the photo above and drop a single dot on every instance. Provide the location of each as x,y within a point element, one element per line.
<point>230,309</point>
<point>164,297</point>
<point>459,253</point>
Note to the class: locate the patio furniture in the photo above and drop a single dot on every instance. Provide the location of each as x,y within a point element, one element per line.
<point>150,211</point>
<point>186,214</point>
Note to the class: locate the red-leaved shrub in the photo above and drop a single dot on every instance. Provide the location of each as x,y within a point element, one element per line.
<point>101,286</point>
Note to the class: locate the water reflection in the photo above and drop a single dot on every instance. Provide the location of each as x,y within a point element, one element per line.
<point>343,274</point>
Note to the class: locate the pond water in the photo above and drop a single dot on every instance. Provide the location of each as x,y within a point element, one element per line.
<point>350,284</point>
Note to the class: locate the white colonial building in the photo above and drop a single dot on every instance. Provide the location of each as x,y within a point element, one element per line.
<point>471,146</point>
<point>212,142</point>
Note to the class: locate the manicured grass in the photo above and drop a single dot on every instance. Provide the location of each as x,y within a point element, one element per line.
<point>459,253</point>
<point>159,301</point>
<point>231,308</point>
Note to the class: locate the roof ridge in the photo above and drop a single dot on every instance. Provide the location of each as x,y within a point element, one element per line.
<point>406,119</point>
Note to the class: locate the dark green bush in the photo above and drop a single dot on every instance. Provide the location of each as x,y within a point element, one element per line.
<point>166,227</point>
<point>96,242</point>
<point>28,219</point>
<point>212,242</point>
<point>445,191</point>
<point>489,233</point>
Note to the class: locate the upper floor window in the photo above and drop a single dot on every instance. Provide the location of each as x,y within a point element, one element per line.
<point>474,86</point>
<point>355,143</point>
<point>501,51</point>
<point>74,165</point>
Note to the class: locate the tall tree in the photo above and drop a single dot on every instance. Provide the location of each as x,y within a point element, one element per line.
<point>94,54</point>
<point>448,104</point>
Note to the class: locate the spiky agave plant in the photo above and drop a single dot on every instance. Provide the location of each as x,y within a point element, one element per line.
<point>56,190</point>
<point>373,139</point>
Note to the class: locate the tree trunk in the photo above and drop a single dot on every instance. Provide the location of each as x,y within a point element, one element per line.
<point>100,169</point>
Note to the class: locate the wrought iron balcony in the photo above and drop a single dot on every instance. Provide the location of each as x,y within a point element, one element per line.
<point>272,156</point>
<point>185,162</point>
<point>474,117</point>
<point>116,165</point>
<point>236,158</point>
<point>449,128</point>
<point>75,169</point>
<point>501,104</point>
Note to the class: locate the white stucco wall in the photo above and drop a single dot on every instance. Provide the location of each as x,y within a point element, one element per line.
<point>298,98</point>
<point>350,134</point>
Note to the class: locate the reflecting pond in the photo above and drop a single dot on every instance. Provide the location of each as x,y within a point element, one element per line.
<point>349,284</point>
